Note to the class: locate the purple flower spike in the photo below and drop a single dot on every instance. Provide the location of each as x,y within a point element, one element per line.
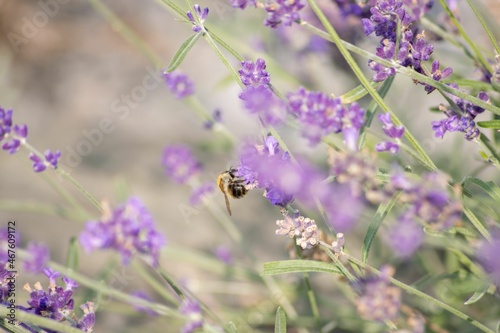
<point>86,323</point>
<point>242,4</point>
<point>202,16</point>
<point>129,229</point>
<point>489,258</point>
<point>260,100</point>
<point>38,163</point>
<point>382,72</point>
<point>437,75</point>
<point>180,164</point>
<point>179,84</point>
<point>391,131</point>
<point>283,11</point>
<point>405,237</point>
<point>192,310</point>
<point>12,146</point>
<point>254,74</point>
<point>52,157</point>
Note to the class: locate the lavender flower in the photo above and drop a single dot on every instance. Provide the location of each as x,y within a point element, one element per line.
<point>428,200</point>
<point>378,300</point>
<point>391,131</point>
<point>283,11</point>
<point>51,159</point>
<point>437,75</point>
<point>303,229</point>
<point>192,310</point>
<point>260,100</point>
<point>487,254</point>
<point>320,114</point>
<point>128,229</point>
<point>202,16</point>
<point>57,302</point>
<point>38,256</point>
<point>216,118</point>
<point>200,192</point>
<point>461,120</point>
<point>265,167</point>
<point>179,84</point>
<point>405,237</point>
<point>254,74</point>
<point>18,135</point>
<point>180,164</point>
<point>242,4</point>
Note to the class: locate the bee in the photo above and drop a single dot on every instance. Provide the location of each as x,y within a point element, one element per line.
<point>231,185</point>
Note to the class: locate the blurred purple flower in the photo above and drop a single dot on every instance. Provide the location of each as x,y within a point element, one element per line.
<point>405,237</point>
<point>147,310</point>
<point>378,300</point>
<point>216,118</point>
<point>180,164</point>
<point>488,256</point>
<point>261,100</point>
<point>224,254</point>
<point>51,159</point>
<point>192,310</point>
<point>200,192</point>
<point>283,12</point>
<point>86,323</point>
<point>127,229</point>
<point>320,114</point>
<point>391,131</point>
<point>179,84</point>
<point>202,16</point>
<point>37,257</point>
<point>242,4</point>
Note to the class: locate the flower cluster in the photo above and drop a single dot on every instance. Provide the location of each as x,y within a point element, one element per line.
<point>378,300</point>
<point>128,228</point>
<point>202,16</point>
<point>283,12</point>
<point>269,168</point>
<point>426,200</point>
<point>320,114</point>
<point>179,84</point>
<point>242,4</point>
<point>57,303</point>
<point>392,131</point>
<point>192,310</point>
<point>461,120</point>
<point>304,230</point>
<point>258,97</point>
<point>200,192</point>
<point>412,50</point>
<point>179,163</point>
<point>16,137</point>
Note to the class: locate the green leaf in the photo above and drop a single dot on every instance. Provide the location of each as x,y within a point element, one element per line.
<point>489,187</point>
<point>172,284</point>
<point>495,124</point>
<point>355,94</point>
<point>72,255</point>
<point>183,51</point>
<point>375,224</point>
<point>478,294</point>
<point>298,266</point>
<point>280,324</point>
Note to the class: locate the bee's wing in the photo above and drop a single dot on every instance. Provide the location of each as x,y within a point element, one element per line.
<point>227,204</point>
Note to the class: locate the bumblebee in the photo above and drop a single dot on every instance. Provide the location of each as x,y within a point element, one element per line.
<point>231,185</point>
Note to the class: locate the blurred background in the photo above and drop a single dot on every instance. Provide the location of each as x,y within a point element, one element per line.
<point>64,75</point>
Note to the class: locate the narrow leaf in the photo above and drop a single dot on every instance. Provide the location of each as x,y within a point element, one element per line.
<point>182,52</point>
<point>495,124</point>
<point>298,266</point>
<point>489,187</point>
<point>375,224</point>
<point>280,324</point>
<point>478,294</point>
<point>72,255</point>
<point>355,94</point>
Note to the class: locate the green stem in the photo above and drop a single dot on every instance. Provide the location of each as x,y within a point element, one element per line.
<point>80,188</point>
<point>485,26</point>
<point>313,302</point>
<point>424,296</point>
<point>120,27</point>
<point>36,320</point>
<point>462,32</point>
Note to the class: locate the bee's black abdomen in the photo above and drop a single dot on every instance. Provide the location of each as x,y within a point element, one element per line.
<point>238,190</point>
